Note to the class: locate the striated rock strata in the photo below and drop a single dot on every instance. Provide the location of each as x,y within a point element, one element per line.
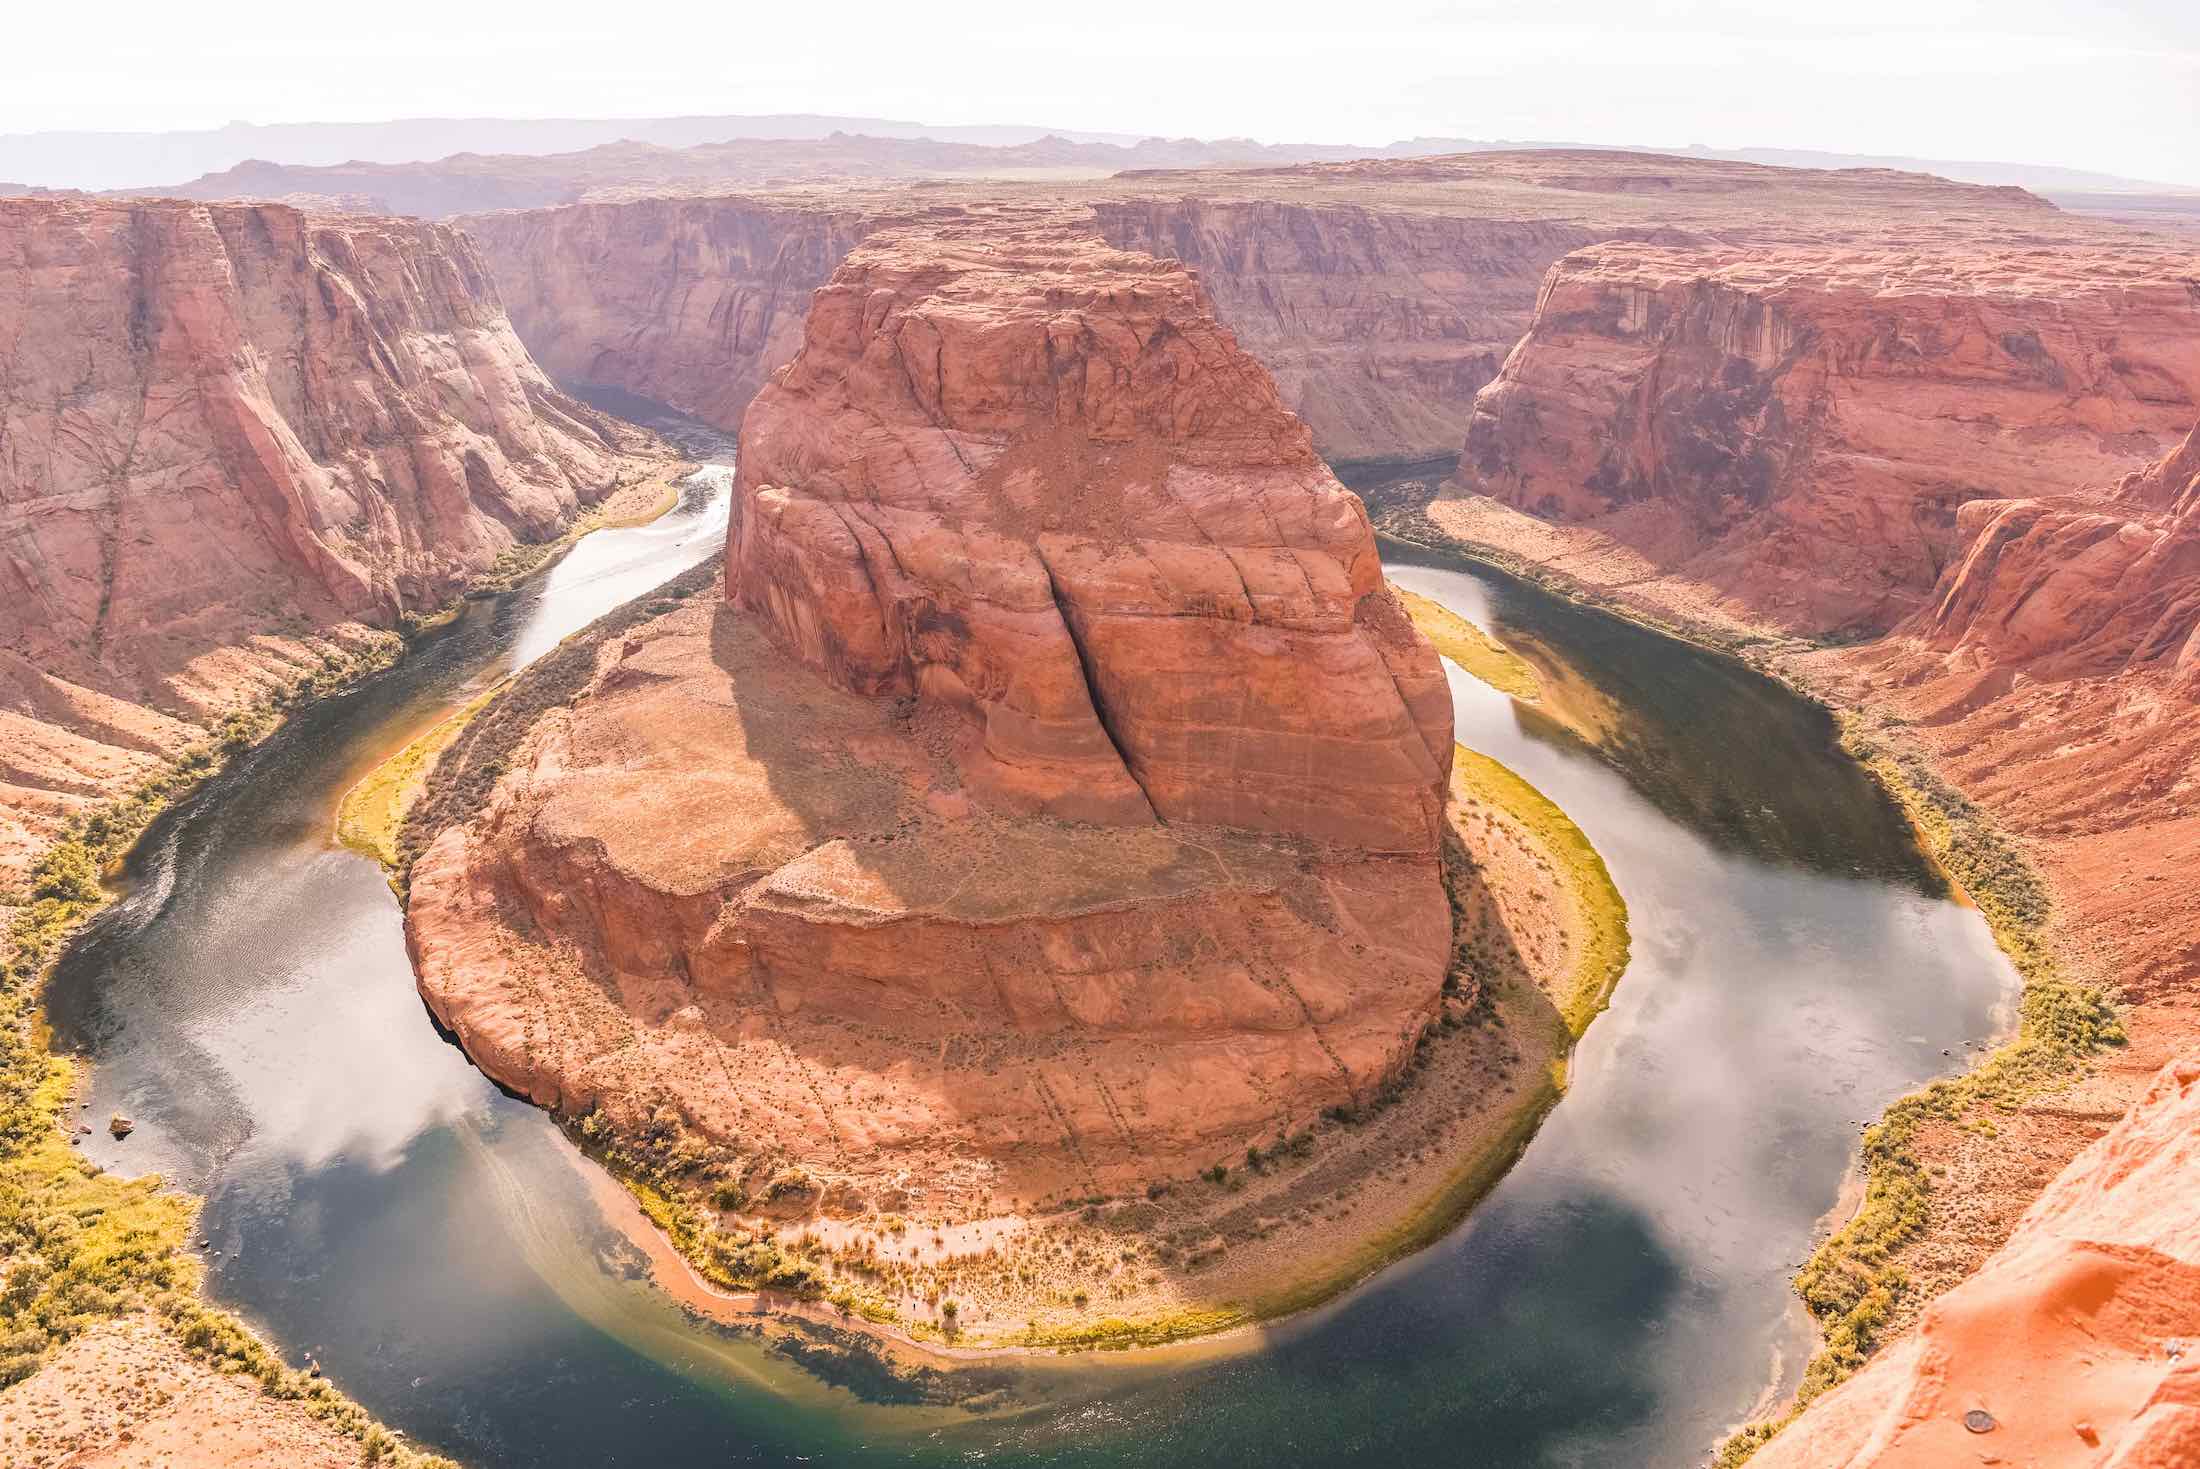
<point>1798,430</point>
<point>225,430</point>
<point>1381,295</point>
<point>2050,677</point>
<point>1052,804</point>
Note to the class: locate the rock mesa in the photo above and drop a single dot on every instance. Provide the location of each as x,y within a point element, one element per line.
<point>1052,804</point>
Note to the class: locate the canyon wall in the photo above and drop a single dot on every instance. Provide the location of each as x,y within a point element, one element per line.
<point>1379,326</point>
<point>1052,803</point>
<point>693,302</point>
<point>1040,486</point>
<point>1798,429</point>
<point>1381,295</point>
<point>2071,586</point>
<point>226,428</point>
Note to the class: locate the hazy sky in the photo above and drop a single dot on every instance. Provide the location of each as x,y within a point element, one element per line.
<point>2105,84</point>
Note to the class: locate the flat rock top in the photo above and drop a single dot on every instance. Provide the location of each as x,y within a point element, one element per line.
<point>2016,270</point>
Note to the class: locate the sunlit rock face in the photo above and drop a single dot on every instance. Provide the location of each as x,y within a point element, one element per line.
<point>1051,799</point>
<point>224,430</point>
<point>1800,429</point>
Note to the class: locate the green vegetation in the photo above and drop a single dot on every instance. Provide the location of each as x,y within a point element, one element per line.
<point>1471,648</point>
<point>78,1246</point>
<point>373,811</point>
<point>1605,940</point>
<point>1854,1282</point>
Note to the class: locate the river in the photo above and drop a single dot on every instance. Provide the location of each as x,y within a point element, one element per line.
<point>1620,1298</point>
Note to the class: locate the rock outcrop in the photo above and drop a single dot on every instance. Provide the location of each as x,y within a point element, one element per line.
<point>693,302</point>
<point>1052,804</point>
<point>2074,1344</point>
<point>2078,586</point>
<point>1379,325</point>
<point>1799,429</point>
<point>1039,487</point>
<point>224,429</point>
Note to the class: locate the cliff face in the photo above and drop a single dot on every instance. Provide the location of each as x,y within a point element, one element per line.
<point>1380,294</point>
<point>692,302</point>
<point>2076,586</point>
<point>1039,487</point>
<point>1798,429</point>
<point>1379,326</point>
<point>2068,1340</point>
<point>229,426</point>
<point>1052,801</point>
<point>216,415</point>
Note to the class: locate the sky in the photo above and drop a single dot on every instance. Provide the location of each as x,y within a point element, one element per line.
<point>2112,85</point>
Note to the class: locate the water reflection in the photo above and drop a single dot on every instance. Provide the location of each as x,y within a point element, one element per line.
<point>1708,741</point>
<point>1619,1298</point>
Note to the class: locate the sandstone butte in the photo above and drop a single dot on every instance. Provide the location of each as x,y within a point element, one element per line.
<point>233,438</point>
<point>1380,295</point>
<point>1051,806</point>
<point>1809,436</point>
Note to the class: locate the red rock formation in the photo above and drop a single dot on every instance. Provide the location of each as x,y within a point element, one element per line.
<point>1021,523</point>
<point>1380,294</point>
<point>2078,586</point>
<point>2076,1340</point>
<point>1037,485</point>
<point>218,414</point>
<point>1798,429</point>
<point>2051,678</point>
<point>692,302</point>
<point>224,423</point>
<point>1379,325</point>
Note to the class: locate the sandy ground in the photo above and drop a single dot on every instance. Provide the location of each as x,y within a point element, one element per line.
<point>127,1396</point>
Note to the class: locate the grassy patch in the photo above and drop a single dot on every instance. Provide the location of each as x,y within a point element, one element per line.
<point>1606,941</point>
<point>373,810</point>
<point>1853,1282</point>
<point>1471,648</point>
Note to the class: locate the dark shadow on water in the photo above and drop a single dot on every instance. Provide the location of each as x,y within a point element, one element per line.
<point>1712,743</point>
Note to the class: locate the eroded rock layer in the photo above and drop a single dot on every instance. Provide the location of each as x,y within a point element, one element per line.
<point>1800,429</point>
<point>225,429</point>
<point>1050,803</point>
<point>1035,484</point>
<point>1381,295</point>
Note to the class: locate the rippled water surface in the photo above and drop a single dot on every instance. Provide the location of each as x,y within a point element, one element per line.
<point>1619,1298</point>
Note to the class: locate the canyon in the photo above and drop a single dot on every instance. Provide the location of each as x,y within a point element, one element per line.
<point>1811,435</point>
<point>2045,673</point>
<point>1049,799</point>
<point>237,445</point>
